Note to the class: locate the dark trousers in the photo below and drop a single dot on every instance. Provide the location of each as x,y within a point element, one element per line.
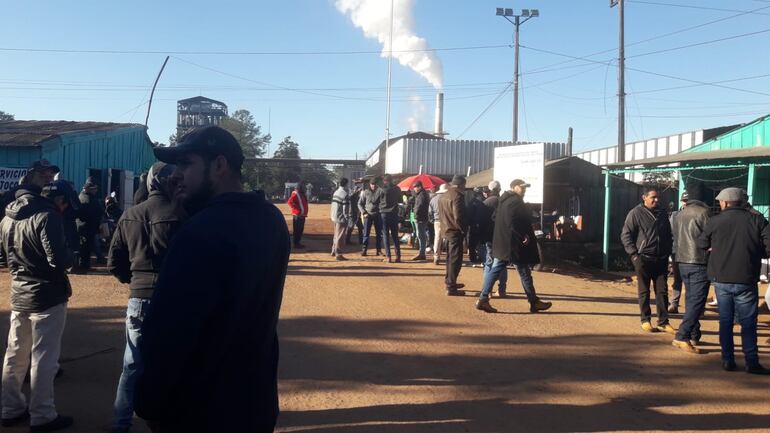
<point>359,226</point>
<point>87,236</point>
<point>473,242</point>
<point>676,286</point>
<point>390,233</point>
<point>738,300</point>
<point>299,229</point>
<point>696,284</point>
<point>655,272</point>
<point>376,222</point>
<point>454,258</point>
<point>431,234</point>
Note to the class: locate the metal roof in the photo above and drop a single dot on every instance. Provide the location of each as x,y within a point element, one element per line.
<point>200,99</point>
<point>28,133</point>
<point>715,155</point>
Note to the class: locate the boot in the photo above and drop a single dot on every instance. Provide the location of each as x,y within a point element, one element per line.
<point>485,306</point>
<point>539,305</point>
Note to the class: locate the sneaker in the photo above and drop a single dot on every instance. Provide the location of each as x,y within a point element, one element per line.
<point>757,369</point>
<point>484,305</point>
<point>458,286</point>
<point>61,422</point>
<point>686,346</point>
<point>363,253</point>
<point>10,422</point>
<point>713,303</point>
<point>538,306</point>
<point>454,292</point>
<point>667,328</point>
<point>398,259</point>
<point>728,365</point>
<point>341,258</point>
<point>673,309</point>
<point>647,327</point>
<point>418,258</point>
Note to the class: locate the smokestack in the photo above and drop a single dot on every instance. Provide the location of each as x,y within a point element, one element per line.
<point>569,142</point>
<point>439,125</point>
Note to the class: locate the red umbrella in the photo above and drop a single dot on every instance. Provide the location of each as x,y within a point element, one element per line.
<point>428,181</point>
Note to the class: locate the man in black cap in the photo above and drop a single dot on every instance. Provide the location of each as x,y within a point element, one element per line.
<point>210,347</point>
<point>513,242</point>
<point>39,174</point>
<point>737,240</point>
<point>66,198</point>
<point>421,202</point>
<point>32,246</point>
<point>138,249</point>
<point>369,206</point>
<point>451,207</point>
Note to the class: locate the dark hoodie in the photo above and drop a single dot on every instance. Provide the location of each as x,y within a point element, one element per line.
<point>33,247</point>
<point>210,346</point>
<point>142,237</point>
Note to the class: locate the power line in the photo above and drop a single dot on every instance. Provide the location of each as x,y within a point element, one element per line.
<point>698,44</point>
<point>246,53</point>
<point>705,8</point>
<point>649,72</point>
<point>489,107</point>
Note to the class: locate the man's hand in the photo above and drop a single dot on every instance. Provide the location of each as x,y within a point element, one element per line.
<point>525,241</point>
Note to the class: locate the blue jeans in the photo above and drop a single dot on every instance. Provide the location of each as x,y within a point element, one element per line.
<point>390,232</point>
<point>696,284</point>
<point>376,222</point>
<point>422,235</point>
<point>498,269</point>
<point>487,263</point>
<point>132,363</point>
<point>740,300</point>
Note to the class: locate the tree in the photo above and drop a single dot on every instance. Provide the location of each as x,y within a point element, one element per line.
<point>242,125</point>
<point>662,179</point>
<point>287,149</point>
<point>6,116</point>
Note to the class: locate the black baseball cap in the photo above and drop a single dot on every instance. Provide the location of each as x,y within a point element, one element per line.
<point>209,141</point>
<point>43,164</point>
<point>60,188</point>
<point>519,182</point>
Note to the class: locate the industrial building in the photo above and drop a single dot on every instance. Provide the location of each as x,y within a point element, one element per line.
<point>198,111</point>
<point>113,154</point>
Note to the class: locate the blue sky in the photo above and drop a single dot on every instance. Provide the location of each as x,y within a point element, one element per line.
<point>336,103</point>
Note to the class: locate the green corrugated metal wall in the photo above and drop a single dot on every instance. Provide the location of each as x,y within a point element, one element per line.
<point>76,153</point>
<point>756,133</point>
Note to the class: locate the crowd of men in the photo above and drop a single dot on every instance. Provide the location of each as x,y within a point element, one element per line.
<point>201,344</point>
<point>495,229</point>
<point>726,249</point>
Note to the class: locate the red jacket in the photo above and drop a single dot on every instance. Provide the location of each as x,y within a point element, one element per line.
<point>298,204</point>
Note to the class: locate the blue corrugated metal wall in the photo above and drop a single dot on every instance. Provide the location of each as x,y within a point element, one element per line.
<point>120,149</point>
<point>18,157</point>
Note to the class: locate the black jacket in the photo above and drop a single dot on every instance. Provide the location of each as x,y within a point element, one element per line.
<point>486,218</point>
<point>33,247</point>
<point>140,242</point>
<point>647,233</point>
<point>390,200</point>
<point>687,225</point>
<point>738,240</point>
<point>90,213</point>
<point>513,224</point>
<point>210,346</point>
<point>421,203</point>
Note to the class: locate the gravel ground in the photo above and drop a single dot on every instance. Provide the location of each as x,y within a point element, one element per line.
<point>371,347</point>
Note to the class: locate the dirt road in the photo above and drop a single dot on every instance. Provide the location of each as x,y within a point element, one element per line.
<point>376,348</point>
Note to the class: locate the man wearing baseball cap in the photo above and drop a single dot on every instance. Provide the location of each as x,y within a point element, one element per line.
<point>737,240</point>
<point>513,242</point>
<point>210,347</point>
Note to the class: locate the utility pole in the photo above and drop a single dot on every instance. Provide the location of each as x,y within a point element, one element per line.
<point>508,13</point>
<point>390,76</point>
<point>621,81</point>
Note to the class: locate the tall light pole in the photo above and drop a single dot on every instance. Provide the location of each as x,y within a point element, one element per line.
<point>390,78</point>
<point>517,21</point>
<point>621,82</point>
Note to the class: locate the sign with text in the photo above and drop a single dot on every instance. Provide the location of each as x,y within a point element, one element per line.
<point>9,177</point>
<point>523,161</point>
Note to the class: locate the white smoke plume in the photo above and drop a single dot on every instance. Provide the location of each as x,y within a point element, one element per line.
<point>373,17</point>
<point>418,113</point>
